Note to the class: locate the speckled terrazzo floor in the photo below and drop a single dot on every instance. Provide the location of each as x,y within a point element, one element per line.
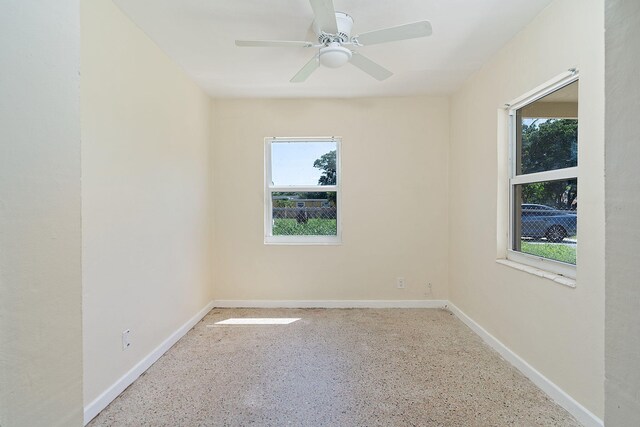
<point>334,367</point>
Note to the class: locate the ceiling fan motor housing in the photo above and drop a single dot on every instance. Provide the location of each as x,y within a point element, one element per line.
<point>344,22</point>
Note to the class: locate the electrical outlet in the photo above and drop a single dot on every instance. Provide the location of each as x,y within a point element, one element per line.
<point>400,283</point>
<point>126,343</point>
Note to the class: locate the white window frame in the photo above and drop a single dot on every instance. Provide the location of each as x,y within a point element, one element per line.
<point>269,238</point>
<point>553,266</point>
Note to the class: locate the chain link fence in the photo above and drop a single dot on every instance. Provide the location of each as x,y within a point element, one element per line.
<point>304,214</point>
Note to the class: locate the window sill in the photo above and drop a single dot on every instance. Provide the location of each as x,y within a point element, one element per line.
<point>303,240</point>
<point>563,280</point>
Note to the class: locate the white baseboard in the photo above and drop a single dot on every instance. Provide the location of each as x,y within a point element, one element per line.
<point>582,414</point>
<point>330,303</point>
<point>102,401</point>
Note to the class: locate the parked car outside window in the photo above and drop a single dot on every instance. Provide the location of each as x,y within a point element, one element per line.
<point>540,221</point>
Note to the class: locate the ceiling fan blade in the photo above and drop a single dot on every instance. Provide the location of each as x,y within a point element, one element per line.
<point>401,32</point>
<point>325,15</point>
<point>376,71</point>
<point>272,43</point>
<point>306,71</point>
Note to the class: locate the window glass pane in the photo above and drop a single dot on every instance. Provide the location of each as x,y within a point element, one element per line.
<point>545,219</point>
<point>547,132</point>
<point>304,214</point>
<point>303,163</point>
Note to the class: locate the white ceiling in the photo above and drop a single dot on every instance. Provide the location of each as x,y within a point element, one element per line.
<point>199,35</point>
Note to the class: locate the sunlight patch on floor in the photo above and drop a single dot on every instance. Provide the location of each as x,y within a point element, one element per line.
<point>257,321</point>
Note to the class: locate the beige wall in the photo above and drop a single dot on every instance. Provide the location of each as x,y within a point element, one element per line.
<point>394,200</point>
<point>622,351</point>
<point>146,194</point>
<point>40,231</point>
<point>558,330</point>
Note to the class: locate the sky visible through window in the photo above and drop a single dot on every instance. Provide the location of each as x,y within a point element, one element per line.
<point>530,121</point>
<point>292,162</point>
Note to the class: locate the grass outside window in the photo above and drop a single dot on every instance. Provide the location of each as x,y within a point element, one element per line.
<point>313,227</point>
<point>554,251</point>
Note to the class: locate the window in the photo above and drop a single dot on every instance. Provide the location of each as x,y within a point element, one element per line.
<point>302,190</point>
<point>543,181</point>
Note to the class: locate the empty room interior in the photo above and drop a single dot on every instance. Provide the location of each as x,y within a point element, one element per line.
<point>316,212</point>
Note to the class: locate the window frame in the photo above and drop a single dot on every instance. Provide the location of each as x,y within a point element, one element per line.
<point>269,238</point>
<point>550,265</point>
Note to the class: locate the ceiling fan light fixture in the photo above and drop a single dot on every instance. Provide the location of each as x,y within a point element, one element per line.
<point>334,55</point>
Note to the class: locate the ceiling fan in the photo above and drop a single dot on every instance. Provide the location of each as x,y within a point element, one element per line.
<point>335,41</point>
